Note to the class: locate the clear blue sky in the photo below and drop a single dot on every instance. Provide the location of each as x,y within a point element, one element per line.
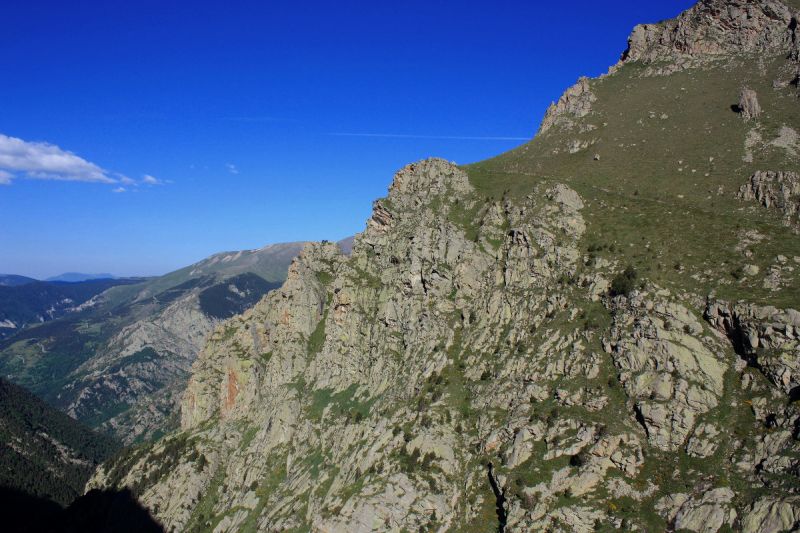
<point>222,121</point>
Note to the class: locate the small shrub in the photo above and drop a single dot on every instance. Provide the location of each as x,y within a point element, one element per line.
<point>577,460</point>
<point>624,283</point>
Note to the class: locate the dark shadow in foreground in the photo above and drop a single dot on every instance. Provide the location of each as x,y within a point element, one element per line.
<point>95,512</point>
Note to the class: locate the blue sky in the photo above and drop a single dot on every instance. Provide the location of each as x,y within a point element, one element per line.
<point>237,124</point>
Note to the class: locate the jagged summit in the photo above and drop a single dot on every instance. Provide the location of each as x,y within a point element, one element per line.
<point>717,27</point>
<point>710,30</point>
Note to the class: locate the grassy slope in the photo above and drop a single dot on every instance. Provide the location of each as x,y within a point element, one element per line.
<point>637,196</point>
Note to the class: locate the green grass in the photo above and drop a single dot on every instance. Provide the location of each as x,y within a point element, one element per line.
<point>248,436</point>
<point>342,403</point>
<point>267,485</point>
<point>317,338</point>
<point>466,218</point>
<point>324,277</point>
<point>204,517</point>
<point>636,198</point>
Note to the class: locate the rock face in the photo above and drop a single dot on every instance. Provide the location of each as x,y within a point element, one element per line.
<point>486,359</point>
<point>576,102</point>
<point>706,513</point>
<point>715,28</point>
<point>671,375</point>
<point>768,338</point>
<point>775,190</point>
<point>375,364</point>
<point>749,108</point>
<point>772,514</point>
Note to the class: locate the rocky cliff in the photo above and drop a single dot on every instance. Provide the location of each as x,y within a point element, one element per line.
<point>592,332</point>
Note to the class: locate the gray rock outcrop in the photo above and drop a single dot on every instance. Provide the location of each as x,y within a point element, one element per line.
<point>576,102</point>
<point>774,190</point>
<point>749,108</point>
<point>715,28</point>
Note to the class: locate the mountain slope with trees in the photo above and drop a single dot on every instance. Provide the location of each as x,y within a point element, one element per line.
<point>43,452</point>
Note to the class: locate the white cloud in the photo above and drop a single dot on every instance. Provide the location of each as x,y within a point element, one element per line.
<point>232,168</point>
<point>45,161</point>
<point>40,160</point>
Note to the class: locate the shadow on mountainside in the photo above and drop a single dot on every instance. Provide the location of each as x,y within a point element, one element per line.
<point>94,512</point>
<point>25,512</point>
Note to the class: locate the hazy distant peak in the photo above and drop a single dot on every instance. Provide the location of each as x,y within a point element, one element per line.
<point>12,280</point>
<point>73,277</point>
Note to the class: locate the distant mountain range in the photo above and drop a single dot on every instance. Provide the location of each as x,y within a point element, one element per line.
<point>72,277</point>
<point>12,280</point>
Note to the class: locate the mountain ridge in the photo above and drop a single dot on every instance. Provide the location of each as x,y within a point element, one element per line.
<point>592,332</point>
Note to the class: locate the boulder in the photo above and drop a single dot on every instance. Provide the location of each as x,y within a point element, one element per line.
<point>749,108</point>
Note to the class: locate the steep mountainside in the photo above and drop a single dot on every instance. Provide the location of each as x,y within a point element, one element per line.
<point>120,360</point>
<point>592,332</point>
<point>43,452</point>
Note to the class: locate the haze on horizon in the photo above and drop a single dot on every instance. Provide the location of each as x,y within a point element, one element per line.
<point>143,138</point>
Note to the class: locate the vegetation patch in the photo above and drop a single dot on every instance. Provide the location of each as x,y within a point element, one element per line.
<point>340,404</point>
<point>317,338</point>
<point>625,282</point>
<point>40,469</point>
